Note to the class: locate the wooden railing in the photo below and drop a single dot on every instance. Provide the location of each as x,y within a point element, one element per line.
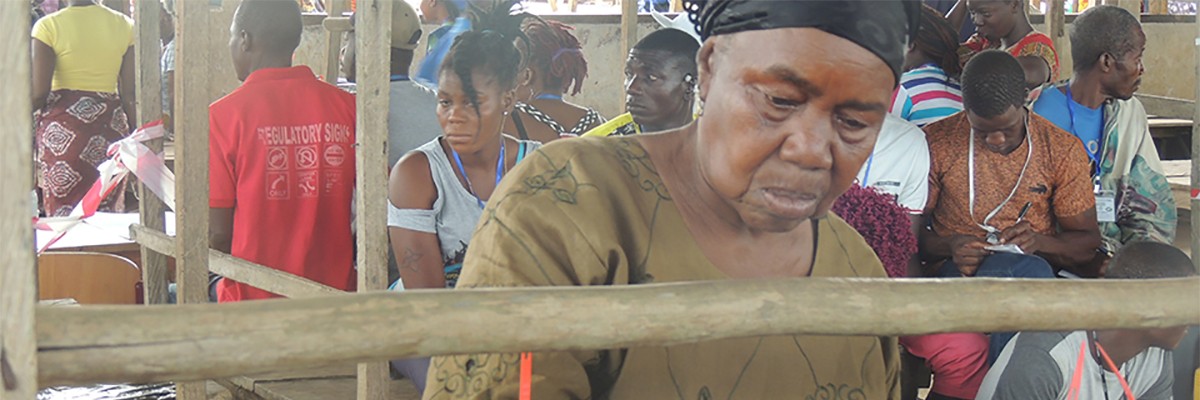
<point>83,345</point>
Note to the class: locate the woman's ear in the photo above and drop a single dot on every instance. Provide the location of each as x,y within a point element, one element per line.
<point>509,99</point>
<point>705,59</point>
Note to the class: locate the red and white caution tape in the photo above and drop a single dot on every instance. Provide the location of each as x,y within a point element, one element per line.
<point>1195,194</point>
<point>126,155</point>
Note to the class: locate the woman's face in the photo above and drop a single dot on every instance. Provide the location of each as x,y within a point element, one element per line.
<point>790,117</point>
<point>467,129</point>
<point>994,19</point>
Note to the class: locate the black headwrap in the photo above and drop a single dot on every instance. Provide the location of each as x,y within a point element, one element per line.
<point>881,26</point>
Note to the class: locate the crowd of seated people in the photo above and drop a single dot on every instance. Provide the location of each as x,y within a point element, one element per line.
<point>960,160</point>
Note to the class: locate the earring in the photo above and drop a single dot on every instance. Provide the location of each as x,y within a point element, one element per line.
<point>701,111</point>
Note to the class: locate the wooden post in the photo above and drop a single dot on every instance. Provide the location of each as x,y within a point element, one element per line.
<point>1158,7</point>
<point>1195,192</point>
<point>629,17</point>
<point>553,5</point>
<point>371,137</point>
<point>18,282</point>
<point>192,79</point>
<point>1056,23</point>
<point>334,8</point>
<point>149,104</point>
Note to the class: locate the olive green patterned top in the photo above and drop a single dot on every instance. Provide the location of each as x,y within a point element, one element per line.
<point>594,211</point>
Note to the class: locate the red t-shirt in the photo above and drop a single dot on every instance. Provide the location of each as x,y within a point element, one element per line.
<point>281,155</point>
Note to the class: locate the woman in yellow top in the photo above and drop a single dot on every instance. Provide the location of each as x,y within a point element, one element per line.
<point>82,59</point>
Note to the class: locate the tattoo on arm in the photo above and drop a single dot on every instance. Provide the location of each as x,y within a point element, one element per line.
<point>411,259</point>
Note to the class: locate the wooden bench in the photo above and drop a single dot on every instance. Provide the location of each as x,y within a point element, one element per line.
<point>1172,136</point>
<point>312,384</point>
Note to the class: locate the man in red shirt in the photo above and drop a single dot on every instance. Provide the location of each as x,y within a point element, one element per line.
<point>281,161</point>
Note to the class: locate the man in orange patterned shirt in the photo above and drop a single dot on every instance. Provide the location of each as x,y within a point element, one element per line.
<point>1009,196</point>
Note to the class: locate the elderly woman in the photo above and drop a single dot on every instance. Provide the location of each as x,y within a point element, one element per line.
<point>795,94</point>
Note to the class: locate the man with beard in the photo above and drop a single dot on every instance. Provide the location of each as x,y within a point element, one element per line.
<point>1133,200</point>
<point>660,85</point>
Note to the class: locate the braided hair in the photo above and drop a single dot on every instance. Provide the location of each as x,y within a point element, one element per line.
<point>489,47</point>
<point>882,223</point>
<point>557,54</point>
<point>938,41</point>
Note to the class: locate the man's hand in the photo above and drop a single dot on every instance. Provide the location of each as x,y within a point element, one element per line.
<point>1022,235</point>
<point>968,252</point>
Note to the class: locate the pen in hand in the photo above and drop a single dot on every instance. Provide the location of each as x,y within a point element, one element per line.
<point>1024,210</point>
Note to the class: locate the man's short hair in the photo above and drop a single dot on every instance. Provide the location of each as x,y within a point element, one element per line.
<point>1150,260</point>
<point>993,82</point>
<point>1099,30</point>
<point>274,24</point>
<point>675,42</point>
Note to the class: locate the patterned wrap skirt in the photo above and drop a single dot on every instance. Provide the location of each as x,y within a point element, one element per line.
<point>72,135</point>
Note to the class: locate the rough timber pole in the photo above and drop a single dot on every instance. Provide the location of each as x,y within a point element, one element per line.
<point>192,78</point>
<point>629,17</point>
<point>1195,192</point>
<point>18,285</point>
<point>1056,23</point>
<point>149,104</point>
<point>332,61</point>
<point>374,25</point>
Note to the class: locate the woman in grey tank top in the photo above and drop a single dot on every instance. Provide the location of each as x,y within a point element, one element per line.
<point>437,192</point>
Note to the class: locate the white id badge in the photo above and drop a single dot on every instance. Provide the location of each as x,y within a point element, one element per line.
<point>1106,206</point>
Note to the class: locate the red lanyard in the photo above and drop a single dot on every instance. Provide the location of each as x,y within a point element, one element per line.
<point>526,376</point>
<point>1077,379</point>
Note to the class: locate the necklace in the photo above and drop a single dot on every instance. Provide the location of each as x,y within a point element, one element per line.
<point>499,170</point>
<point>548,96</point>
<point>993,234</point>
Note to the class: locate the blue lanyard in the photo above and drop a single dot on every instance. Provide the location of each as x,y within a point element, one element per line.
<point>867,173</point>
<point>499,170</point>
<point>1095,158</point>
<point>547,96</point>
<point>399,77</point>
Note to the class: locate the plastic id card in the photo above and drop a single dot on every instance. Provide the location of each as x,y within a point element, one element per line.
<point>1106,206</point>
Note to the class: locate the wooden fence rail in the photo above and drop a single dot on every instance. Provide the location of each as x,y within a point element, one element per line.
<point>91,344</point>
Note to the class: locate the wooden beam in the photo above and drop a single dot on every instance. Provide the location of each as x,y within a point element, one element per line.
<point>18,278</point>
<point>1168,107</point>
<point>193,75</point>
<point>629,37</point>
<point>267,278</point>
<point>334,8</point>
<point>1195,210</point>
<point>260,276</point>
<point>153,240</point>
<point>1056,23</point>
<point>149,103</point>
<point>371,162</point>
<point>81,345</point>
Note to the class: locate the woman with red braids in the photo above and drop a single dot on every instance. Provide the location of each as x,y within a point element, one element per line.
<point>555,63</point>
